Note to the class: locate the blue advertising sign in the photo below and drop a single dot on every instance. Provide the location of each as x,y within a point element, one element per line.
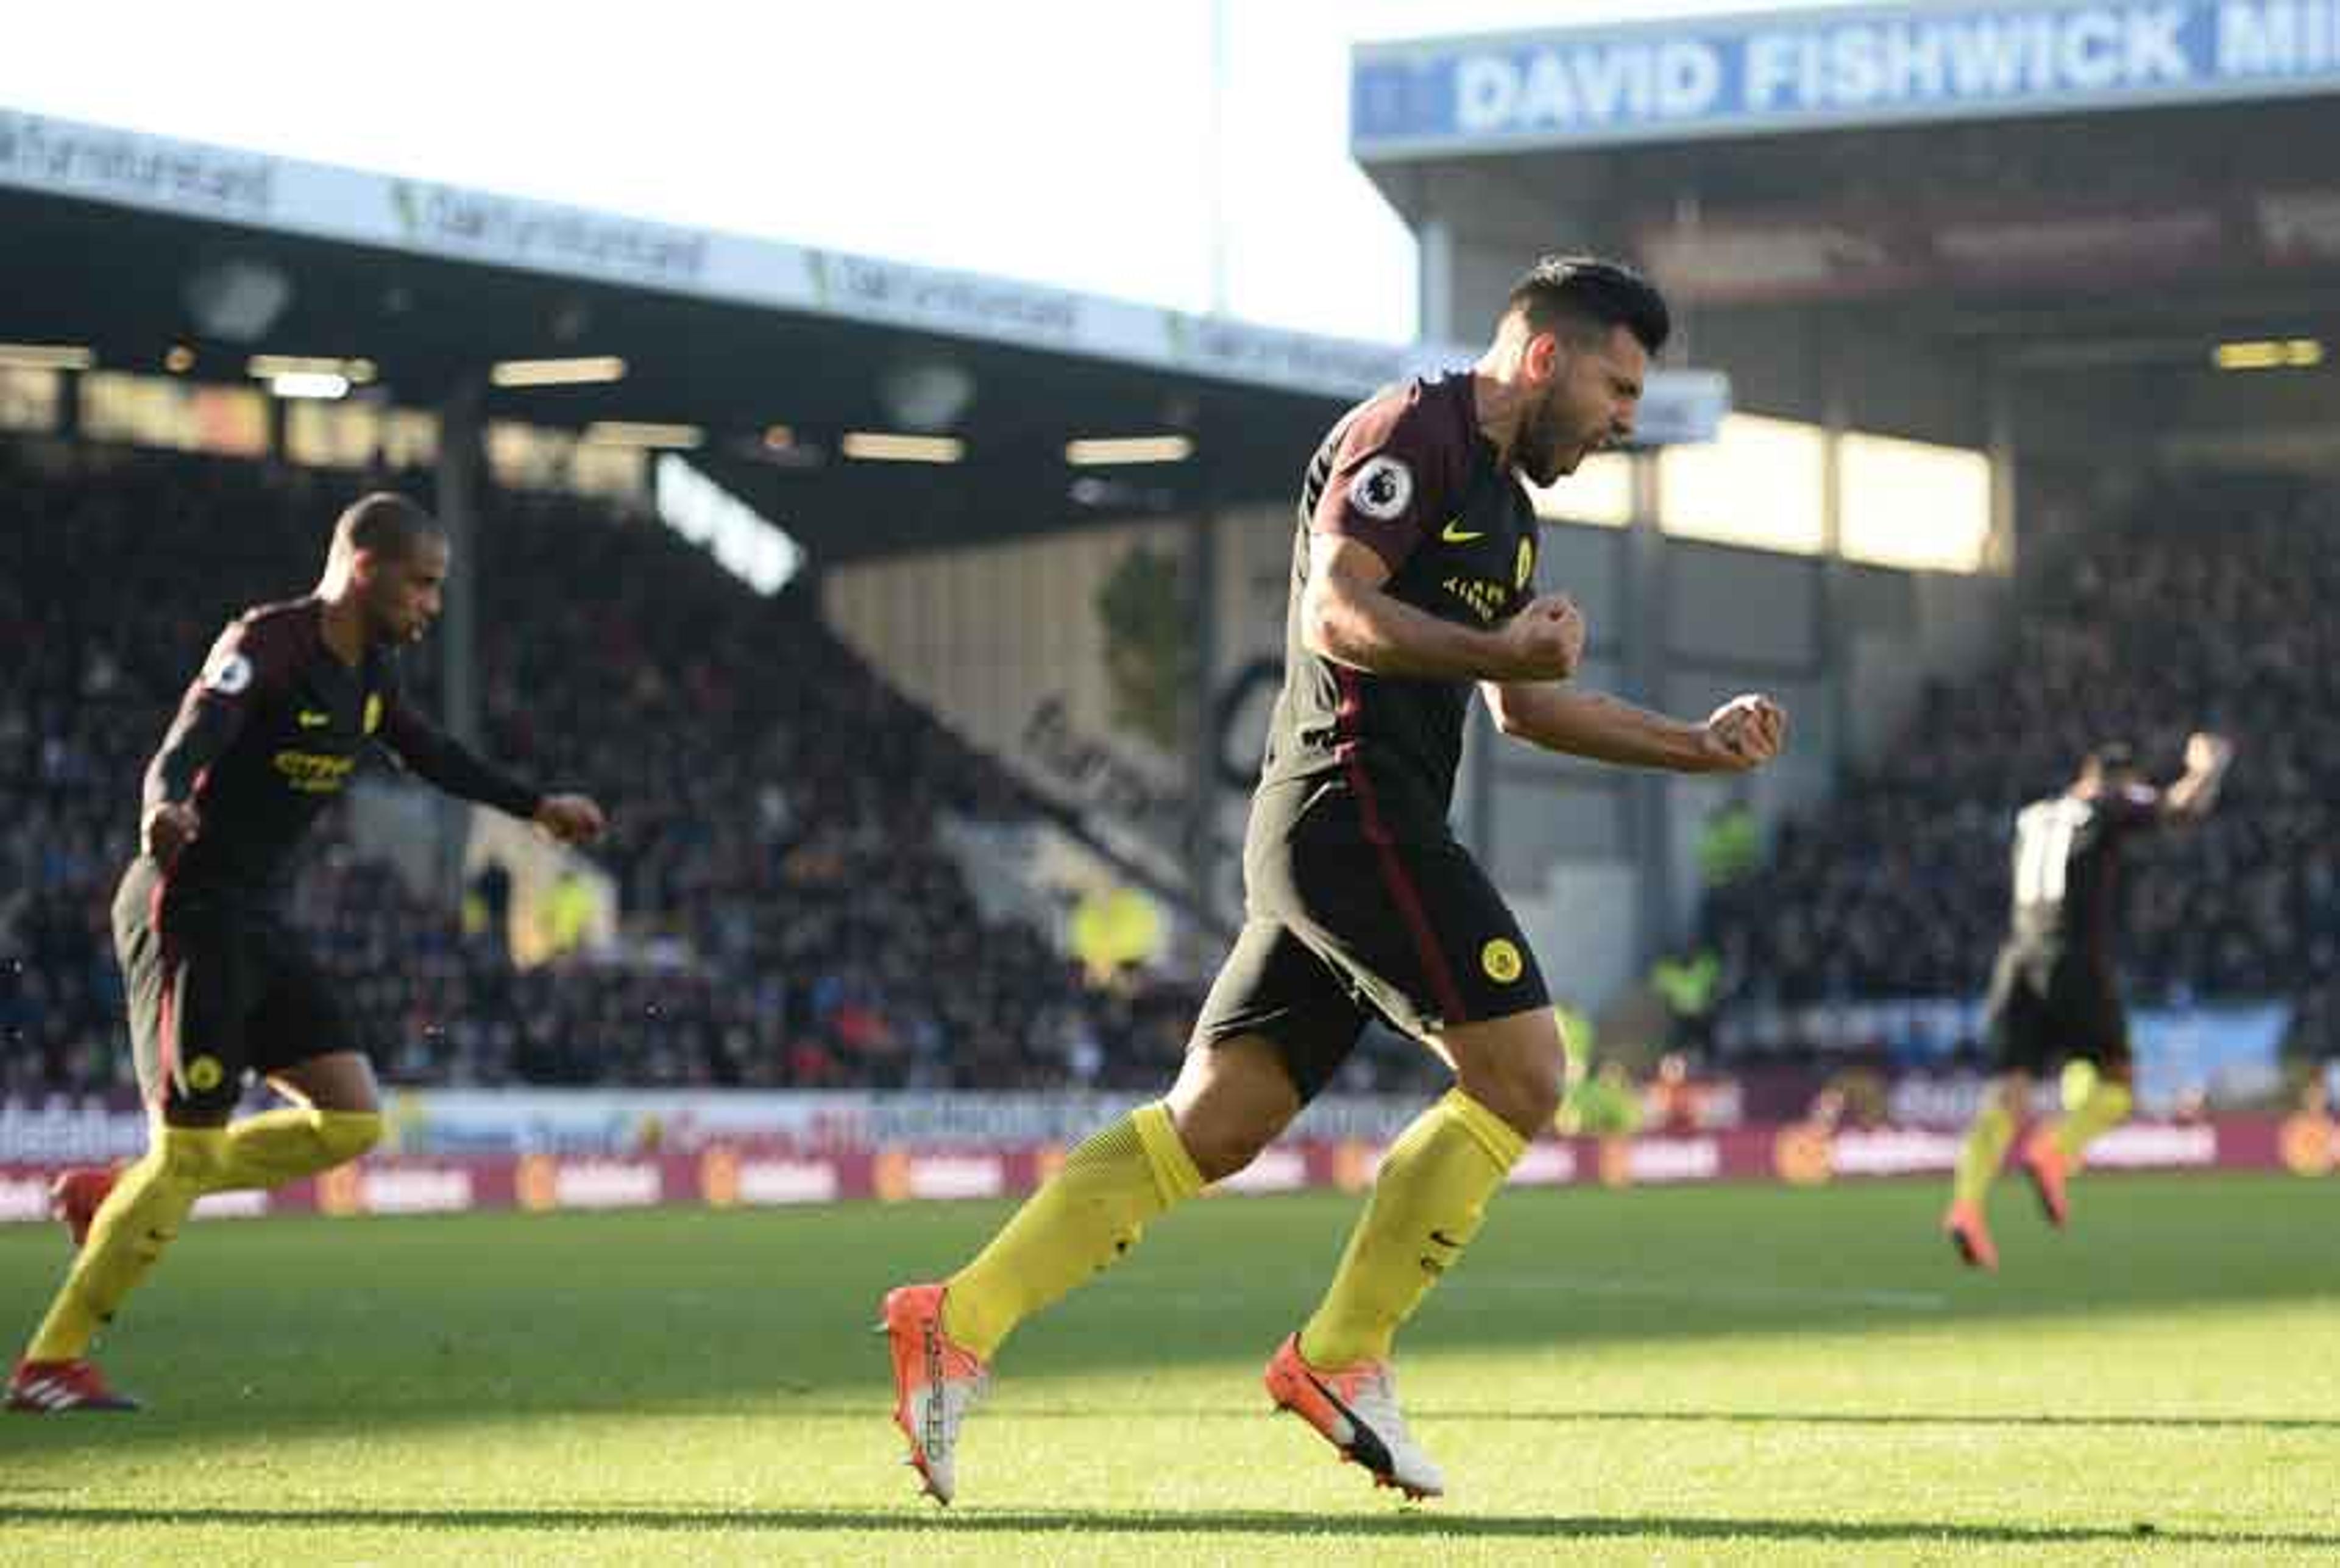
<point>1790,70</point>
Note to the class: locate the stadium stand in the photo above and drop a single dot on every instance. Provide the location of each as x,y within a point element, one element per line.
<point>1898,889</point>
<point>791,919</point>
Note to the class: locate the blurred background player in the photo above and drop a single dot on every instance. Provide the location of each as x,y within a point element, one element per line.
<point>2054,992</point>
<point>1413,581</point>
<point>268,734</point>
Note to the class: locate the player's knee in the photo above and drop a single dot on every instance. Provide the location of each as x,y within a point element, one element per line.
<point>191,1156</point>
<point>1231,1100</point>
<point>1526,1094</point>
<point>1224,1142</point>
<point>346,1134</point>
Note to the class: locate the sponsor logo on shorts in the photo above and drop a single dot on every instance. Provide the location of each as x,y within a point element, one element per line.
<point>313,720</point>
<point>1525,568</point>
<point>204,1073</point>
<point>372,711</point>
<point>1501,958</point>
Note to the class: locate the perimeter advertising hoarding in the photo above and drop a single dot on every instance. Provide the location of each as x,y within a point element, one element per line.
<point>751,1175</point>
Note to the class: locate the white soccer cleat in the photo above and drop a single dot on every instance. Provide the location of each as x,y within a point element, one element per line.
<point>936,1384</point>
<point>1355,1409</point>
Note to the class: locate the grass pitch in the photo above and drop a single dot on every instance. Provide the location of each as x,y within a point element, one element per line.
<point>1730,1375</point>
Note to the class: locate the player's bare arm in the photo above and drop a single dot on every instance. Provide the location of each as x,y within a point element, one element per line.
<point>571,819</point>
<point>1348,620</point>
<point>1745,732</point>
<point>2196,791</point>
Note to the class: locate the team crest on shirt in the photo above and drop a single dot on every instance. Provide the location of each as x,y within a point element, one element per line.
<point>204,1073</point>
<point>1501,958</point>
<point>372,711</point>
<point>1382,489</point>
<point>1526,567</point>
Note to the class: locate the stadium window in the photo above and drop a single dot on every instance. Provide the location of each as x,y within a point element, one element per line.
<point>344,434</point>
<point>1757,483</point>
<point>28,398</point>
<point>530,457</point>
<point>619,472</point>
<point>355,433</point>
<point>153,411</point>
<point>1911,504</point>
<point>1601,492</point>
<point>523,457</point>
<point>410,438</point>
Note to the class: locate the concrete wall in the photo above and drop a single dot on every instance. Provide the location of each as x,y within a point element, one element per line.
<point>1006,644</point>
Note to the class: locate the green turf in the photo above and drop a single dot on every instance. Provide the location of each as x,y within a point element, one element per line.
<point>1717,1375</point>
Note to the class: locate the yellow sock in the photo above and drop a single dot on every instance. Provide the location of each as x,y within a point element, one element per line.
<point>2106,1107</point>
<point>1986,1149</point>
<point>1086,1216</point>
<point>139,1219</point>
<point>1427,1203</point>
<point>293,1141</point>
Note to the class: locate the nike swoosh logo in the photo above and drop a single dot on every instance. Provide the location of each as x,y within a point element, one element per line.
<point>1455,533</point>
<point>312,720</point>
<point>1442,1239</point>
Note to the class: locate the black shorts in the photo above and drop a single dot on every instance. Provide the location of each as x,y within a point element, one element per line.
<point>217,989</point>
<point>2046,1006</point>
<point>1352,911</point>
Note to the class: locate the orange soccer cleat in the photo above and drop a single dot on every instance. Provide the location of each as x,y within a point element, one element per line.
<point>1355,1408</point>
<point>1965,1227</point>
<point>936,1384</point>
<point>2045,1164</point>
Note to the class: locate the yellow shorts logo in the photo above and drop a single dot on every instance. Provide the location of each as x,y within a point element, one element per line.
<point>1502,961</point>
<point>372,711</point>
<point>1525,568</point>
<point>204,1073</point>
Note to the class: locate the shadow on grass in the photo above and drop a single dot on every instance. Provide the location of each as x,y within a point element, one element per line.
<point>388,1327</point>
<point>1424,1523</point>
<point>1427,1413</point>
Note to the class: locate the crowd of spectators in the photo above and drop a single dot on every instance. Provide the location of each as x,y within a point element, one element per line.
<point>773,808</point>
<point>2209,609</point>
<point>774,805</point>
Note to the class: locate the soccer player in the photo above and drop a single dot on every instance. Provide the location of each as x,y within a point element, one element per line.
<point>218,985</point>
<point>1412,582</point>
<point>2052,991</point>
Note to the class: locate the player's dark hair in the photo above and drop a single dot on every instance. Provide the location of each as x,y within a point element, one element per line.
<point>1581,296</point>
<point>386,524</point>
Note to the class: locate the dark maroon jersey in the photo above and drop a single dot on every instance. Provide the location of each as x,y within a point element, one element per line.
<point>268,733</point>
<point>1408,473</point>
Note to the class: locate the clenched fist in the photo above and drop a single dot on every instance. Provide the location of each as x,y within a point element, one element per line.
<point>1745,732</point>
<point>1544,642</point>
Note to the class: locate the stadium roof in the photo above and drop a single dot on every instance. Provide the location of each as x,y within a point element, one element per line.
<point>2107,188</point>
<point>129,244</point>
